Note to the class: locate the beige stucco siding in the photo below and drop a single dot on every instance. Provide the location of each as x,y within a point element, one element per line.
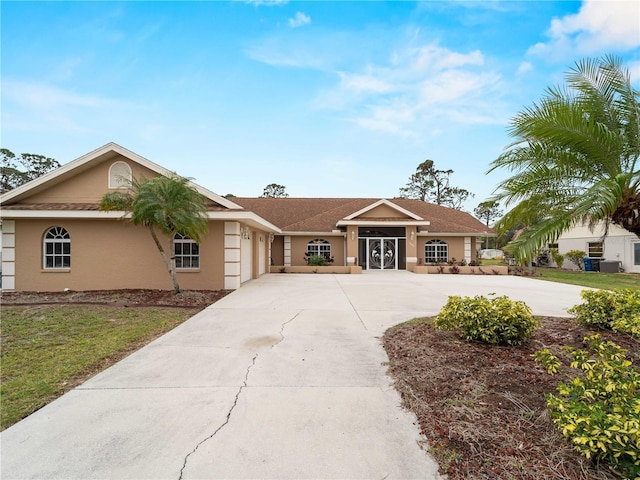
<point>456,247</point>
<point>381,211</point>
<point>277,250</point>
<point>111,254</point>
<point>88,186</point>
<point>299,248</point>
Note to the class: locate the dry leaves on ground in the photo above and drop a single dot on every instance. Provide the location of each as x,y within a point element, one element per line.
<point>482,409</point>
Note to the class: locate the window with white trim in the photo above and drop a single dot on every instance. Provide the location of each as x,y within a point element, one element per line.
<point>319,247</point>
<point>595,249</point>
<point>120,175</point>
<point>56,249</point>
<point>436,251</point>
<point>187,252</point>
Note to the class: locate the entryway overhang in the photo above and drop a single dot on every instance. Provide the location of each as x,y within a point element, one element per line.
<point>387,223</point>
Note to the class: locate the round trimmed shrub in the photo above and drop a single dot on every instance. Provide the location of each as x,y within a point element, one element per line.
<point>497,321</point>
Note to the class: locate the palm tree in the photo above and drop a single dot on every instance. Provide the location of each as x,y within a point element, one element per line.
<point>575,158</point>
<point>169,204</point>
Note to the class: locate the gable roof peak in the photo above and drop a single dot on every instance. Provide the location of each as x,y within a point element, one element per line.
<point>384,201</point>
<point>94,157</point>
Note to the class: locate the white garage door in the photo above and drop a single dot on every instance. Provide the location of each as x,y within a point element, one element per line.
<point>246,257</point>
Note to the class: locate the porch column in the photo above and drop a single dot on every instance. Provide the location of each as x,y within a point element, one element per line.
<point>412,246</point>
<point>467,249</point>
<point>231,255</point>
<point>352,246</point>
<point>287,250</point>
<point>9,255</point>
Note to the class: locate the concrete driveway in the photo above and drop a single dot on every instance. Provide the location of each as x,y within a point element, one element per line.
<point>284,378</point>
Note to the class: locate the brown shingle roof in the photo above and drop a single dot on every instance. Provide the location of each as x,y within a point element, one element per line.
<point>322,214</point>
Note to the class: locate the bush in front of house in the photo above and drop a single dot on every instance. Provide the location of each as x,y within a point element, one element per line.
<point>599,410</point>
<point>576,257</point>
<point>558,258</point>
<point>496,321</point>
<point>617,310</point>
<point>317,261</point>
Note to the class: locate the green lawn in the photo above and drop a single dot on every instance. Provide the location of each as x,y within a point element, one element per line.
<point>607,281</point>
<point>47,350</point>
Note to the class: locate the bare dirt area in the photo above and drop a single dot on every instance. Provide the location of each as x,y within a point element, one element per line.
<point>481,408</point>
<point>120,298</point>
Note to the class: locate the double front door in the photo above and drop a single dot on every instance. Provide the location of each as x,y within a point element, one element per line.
<point>381,253</point>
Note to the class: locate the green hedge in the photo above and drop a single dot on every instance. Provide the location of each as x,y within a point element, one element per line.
<point>617,310</point>
<point>497,321</point>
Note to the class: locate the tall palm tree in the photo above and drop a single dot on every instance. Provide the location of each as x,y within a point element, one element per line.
<point>168,204</point>
<point>575,157</point>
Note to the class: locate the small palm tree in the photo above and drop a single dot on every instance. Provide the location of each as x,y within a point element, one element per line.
<point>575,158</point>
<point>168,204</point>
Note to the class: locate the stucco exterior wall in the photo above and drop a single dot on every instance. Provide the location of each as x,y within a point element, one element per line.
<point>277,250</point>
<point>381,211</point>
<point>88,186</point>
<point>456,247</point>
<point>111,254</point>
<point>299,248</point>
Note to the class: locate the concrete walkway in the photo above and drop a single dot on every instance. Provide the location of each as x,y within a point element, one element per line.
<point>284,378</point>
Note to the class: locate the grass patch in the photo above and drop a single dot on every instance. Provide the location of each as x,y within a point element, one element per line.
<point>607,281</point>
<point>49,349</point>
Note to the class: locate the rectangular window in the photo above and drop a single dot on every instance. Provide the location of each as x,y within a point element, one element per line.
<point>636,253</point>
<point>595,249</point>
<point>436,253</point>
<point>187,253</point>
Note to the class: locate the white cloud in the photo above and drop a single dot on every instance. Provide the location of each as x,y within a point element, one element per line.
<point>43,96</point>
<point>364,83</point>
<point>299,20</point>
<point>599,27</point>
<point>47,108</point>
<point>525,67</point>
<point>265,3</point>
<point>416,87</point>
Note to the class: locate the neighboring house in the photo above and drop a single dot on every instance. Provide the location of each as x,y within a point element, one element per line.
<point>54,235</point>
<point>619,245</point>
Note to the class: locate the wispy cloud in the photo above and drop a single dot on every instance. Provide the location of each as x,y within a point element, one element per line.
<point>45,96</point>
<point>598,27</point>
<point>420,85</point>
<point>265,3</point>
<point>49,108</point>
<point>299,20</point>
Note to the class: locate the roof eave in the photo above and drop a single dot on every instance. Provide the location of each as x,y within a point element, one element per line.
<point>371,222</point>
<point>244,216</point>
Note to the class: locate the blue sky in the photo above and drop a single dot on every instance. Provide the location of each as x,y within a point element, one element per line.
<point>333,99</point>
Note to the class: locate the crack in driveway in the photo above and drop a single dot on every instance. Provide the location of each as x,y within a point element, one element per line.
<point>235,401</point>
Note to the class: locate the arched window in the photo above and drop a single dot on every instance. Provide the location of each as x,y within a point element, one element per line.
<point>436,251</point>
<point>187,252</point>
<point>320,247</point>
<point>56,248</point>
<point>120,175</point>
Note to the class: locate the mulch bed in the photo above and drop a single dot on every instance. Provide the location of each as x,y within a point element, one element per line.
<point>118,298</point>
<point>481,408</point>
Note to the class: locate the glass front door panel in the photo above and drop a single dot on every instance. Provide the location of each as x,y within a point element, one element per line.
<point>389,254</point>
<point>382,253</point>
<point>375,254</point>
